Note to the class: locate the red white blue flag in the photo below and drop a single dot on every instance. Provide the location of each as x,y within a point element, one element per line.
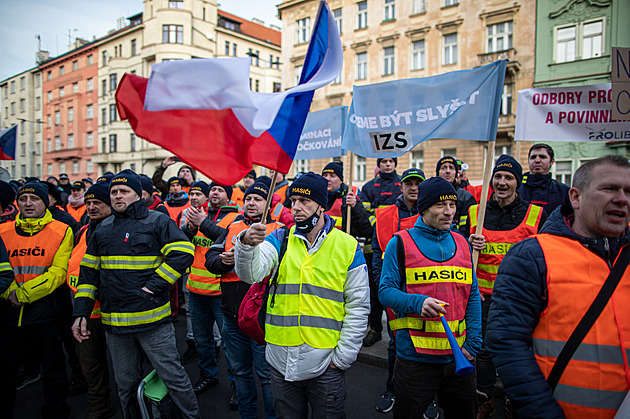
<point>203,111</point>
<point>8,138</point>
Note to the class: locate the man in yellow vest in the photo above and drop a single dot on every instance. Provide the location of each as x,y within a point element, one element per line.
<point>93,352</point>
<point>316,323</point>
<point>35,308</point>
<point>438,280</point>
<point>544,287</point>
<point>242,351</point>
<point>509,220</point>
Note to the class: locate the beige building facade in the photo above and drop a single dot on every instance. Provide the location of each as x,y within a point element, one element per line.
<point>385,40</point>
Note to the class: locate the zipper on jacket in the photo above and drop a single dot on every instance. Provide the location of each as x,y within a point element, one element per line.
<point>607,250</point>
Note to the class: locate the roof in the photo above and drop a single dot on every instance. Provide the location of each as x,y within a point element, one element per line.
<point>254,30</point>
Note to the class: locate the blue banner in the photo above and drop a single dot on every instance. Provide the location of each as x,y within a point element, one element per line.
<point>389,119</point>
<point>322,133</point>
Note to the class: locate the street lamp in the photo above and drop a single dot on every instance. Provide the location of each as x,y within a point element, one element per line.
<point>32,159</point>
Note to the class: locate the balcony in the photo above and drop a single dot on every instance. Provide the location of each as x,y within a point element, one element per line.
<point>513,65</point>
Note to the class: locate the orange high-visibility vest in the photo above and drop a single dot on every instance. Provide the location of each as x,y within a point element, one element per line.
<point>335,211</point>
<point>238,196</point>
<point>200,280</point>
<point>388,223</point>
<point>76,213</point>
<point>499,242</point>
<point>450,281</point>
<point>74,265</point>
<point>597,378</point>
<point>175,211</point>
<point>233,230</point>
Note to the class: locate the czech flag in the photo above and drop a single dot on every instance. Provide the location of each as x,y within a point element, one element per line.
<point>8,138</point>
<point>203,111</point>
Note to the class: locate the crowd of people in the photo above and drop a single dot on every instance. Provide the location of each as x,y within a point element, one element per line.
<point>93,272</point>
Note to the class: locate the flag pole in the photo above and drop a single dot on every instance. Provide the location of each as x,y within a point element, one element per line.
<point>481,214</point>
<point>274,175</point>
<point>350,178</point>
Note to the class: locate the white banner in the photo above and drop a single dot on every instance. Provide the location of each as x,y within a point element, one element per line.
<point>572,113</point>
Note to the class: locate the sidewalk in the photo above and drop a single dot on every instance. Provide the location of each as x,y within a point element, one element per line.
<point>376,355</point>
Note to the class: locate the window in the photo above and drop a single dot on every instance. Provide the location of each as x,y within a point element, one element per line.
<point>90,59</point>
<point>48,120</point>
<point>23,170</point>
<point>112,112</point>
<point>90,139</point>
<point>132,142</point>
<point>75,87</point>
<point>362,15</point>
<point>506,100</point>
<point>23,149</point>
<point>338,20</point>
<point>22,83</point>
<point>90,84</point>
<point>104,58</point>
<point>233,49</point>
<point>500,36</point>
<point>62,168</point>
<point>113,80</point>
<point>22,105</point>
<point>227,47</point>
<point>418,6</point>
<point>23,127</point>
<point>176,4</point>
<point>75,65</point>
<point>390,8</point>
<point>57,117</point>
<point>448,152</point>
<point>49,75</point>
<point>450,2</point>
<point>104,145</point>
<point>303,30</point>
<point>112,143</point>
<point>13,86</point>
<point>70,114</point>
<point>90,112</point>
<point>49,168</point>
<point>417,55</point>
<point>38,128</point>
<point>172,34</point>
<point>257,84</point>
<point>592,40</point>
<point>103,116</point>
<point>450,49</point>
<point>276,87</point>
<point>362,66</point>
<point>49,145</point>
<point>388,61</point>
<point>417,159</point>
<point>62,70</point>
<point>49,96</point>
<point>12,108</point>
<point>38,103</point>
<point>298,74</point>
<point>70,140</point>
<point>62,92</point>
<point>563,171</point>
<point>338,79</point>
<point>359,169</point>
<point>104,86</point>
<point>566,39</point>
<point>90,167</point>
<point>57,143</point>
<point>301,166</point>
<point>133,47</point>
<point>75,167</point>
<point>38,79</point>
<point>257,58</point>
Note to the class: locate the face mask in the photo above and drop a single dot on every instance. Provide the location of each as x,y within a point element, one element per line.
<point>307,225</point>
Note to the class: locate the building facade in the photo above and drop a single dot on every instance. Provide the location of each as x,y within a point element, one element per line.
<point>386,40</point>
<point>574,42</point>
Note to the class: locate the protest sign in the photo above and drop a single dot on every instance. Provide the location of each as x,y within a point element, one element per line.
<point>620,83</point>
<point>572,113</point>
<point>321,136</point>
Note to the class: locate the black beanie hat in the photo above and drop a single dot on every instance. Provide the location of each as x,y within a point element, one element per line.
<point>36,188</point>
<point>7,194</point>
<point>312,186</point>
<point>446,159</point>
<point>106,178</point>
<point>264,179</point>
<point>433,190</point>
<point>173,180</point>
<point>258,188</point>
<point>55,193</point>
<point>227,189</point>
<point>200,186</point>
<point>507,163</point>
<point>252,174</point>
<point>147,184</point>
<point>129,178</point>
<point>193,171</point>
<point>378,161</point>
<point>98,191</point>
<point>335,167</point>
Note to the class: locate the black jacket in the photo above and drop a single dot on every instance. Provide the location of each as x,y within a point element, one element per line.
<point>209,227</point>
<point>381,191</point>
<point>360,225</point>
<point>136,233</point>
<point>465,200</point>
<point>60,215</point>
<point>519,297</point>
<point>543,191</point>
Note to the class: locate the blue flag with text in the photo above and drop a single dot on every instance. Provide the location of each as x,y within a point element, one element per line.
<point>389,119</point>
<point>322,133</point>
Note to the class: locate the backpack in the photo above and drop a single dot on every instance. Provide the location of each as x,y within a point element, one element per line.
<point>253,309</point>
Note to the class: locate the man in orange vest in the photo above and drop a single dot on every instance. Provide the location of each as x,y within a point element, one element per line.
<point>390,220</point>
<point>177,200</point>
<point>76,201</point>
<point>509,220</point>
<point>242,351</point>
<point>36,307</point>
<point>438,280</point>
<point>544,287</point>
<point>93,352</point>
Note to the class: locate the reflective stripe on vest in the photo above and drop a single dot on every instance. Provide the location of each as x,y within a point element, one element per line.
<point>74,265</point>
<point>499,242</point>
<point>31,256</point>
<point>388,222</point>
<point>455,277</point>
<point>309,306</point>
<point>597,378</point>
<point>277,212</point>
<point>140,317</point>
<point>233,231</point>
<point>200,280</point>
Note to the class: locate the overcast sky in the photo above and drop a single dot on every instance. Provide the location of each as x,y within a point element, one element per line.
<point>21,20</point>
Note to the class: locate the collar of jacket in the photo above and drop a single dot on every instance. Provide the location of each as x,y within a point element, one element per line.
<point>387,176</point>
<point>179,199</point>
<point>540,181</point>
<point>281,184</point>
<point>400,203</point>
<point>33,225</point>
<point>492,202</point>
<point>430,232</point>
<point>137,210</point>
<point>329,224</point>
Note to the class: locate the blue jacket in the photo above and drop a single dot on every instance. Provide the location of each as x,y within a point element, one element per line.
<point>543,191</point>
<point>518,299</point>
<point>436,245</point>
